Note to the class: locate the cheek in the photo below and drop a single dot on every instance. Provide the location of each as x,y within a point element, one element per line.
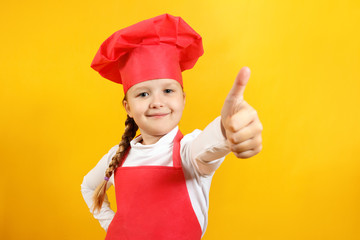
<point>138,111</point>
<point>135,109</point>
<point>180,104</point>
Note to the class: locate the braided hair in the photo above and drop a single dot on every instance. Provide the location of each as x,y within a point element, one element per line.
<point>129,134</point>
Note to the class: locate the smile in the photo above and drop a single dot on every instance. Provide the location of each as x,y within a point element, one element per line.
<point>159,115</point>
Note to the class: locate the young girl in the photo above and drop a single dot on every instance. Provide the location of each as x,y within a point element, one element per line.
<point>162,178</point>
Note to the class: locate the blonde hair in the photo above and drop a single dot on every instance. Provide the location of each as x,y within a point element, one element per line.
<point>129,134</point>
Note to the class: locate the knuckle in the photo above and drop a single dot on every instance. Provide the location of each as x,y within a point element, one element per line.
<point>261,127</point>
<point>232,128</point>
<point>232,139</point>
<point>243,155</point>
<point>234,148</point>
<point>238,155</point>
<point>259,140</point>
<point>232,125</point>
<point>259,148</point>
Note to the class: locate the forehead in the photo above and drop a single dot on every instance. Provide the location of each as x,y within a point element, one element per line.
<point>163,82</point>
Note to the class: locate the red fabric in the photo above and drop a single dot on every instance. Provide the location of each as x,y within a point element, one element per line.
<point>159,47</point>
<point>153,203</point>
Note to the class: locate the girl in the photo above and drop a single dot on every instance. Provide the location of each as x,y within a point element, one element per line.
<point>162,178</point>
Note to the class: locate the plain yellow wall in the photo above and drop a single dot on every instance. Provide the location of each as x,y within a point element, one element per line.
<point>58,116</point>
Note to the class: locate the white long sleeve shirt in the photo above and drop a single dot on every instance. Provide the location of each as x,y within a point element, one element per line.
<point>201,153</point>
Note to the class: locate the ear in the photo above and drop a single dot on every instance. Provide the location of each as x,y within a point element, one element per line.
<point>184,96</point>
<point>127,108</point>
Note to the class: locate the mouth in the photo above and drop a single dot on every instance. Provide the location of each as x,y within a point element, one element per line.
<point>158,115</point>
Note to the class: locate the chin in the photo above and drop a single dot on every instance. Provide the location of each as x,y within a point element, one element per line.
<point>160,130</point>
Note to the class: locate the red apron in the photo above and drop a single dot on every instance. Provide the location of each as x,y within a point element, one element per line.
<point>153,203</point>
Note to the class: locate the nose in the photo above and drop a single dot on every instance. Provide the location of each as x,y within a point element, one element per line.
<point>156,101</point>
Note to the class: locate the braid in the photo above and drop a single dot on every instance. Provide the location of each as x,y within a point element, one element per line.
<point>129,134</point>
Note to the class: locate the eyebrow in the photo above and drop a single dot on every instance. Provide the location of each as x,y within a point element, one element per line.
<point>138,89</point>
<point>171,84</point>
<point>141,88</point>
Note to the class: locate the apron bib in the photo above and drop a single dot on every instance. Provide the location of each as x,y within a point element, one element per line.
<point>153,203</point>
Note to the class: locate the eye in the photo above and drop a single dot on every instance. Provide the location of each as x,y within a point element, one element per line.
<point>168,90</point>
<point>143,94</point>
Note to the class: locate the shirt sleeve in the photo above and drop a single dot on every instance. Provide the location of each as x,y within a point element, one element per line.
<point>89,184</point>
<point>208,149</point>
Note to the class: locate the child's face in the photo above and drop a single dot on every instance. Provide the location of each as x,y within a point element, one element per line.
<point>156,105</point>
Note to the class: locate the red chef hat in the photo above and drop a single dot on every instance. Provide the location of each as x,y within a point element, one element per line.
<point>159,47</point>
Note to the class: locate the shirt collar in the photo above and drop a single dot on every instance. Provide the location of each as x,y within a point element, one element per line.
<point>166,139</point>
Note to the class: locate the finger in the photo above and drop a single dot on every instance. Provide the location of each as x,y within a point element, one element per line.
<point>247,145</point>
<point>249,153</point>
<point>240,82</point>
<point>242,118</point>
<point>248,132</point>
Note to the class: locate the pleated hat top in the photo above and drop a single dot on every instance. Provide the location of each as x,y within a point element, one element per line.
<point>156,48</point>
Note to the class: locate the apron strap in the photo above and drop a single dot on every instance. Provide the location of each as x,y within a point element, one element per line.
<point>176,150</point>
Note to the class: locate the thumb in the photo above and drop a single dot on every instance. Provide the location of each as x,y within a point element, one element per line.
<point>241,80</point>
<point>234,99</point>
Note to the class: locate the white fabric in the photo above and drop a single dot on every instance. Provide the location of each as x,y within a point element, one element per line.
<point>201,152</point>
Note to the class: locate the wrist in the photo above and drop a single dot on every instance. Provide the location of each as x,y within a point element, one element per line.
<point>222,129</point>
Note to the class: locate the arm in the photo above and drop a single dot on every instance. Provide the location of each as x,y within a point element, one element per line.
<point>238,130</point>
<point>208,149</point>
<point>89,184</point>
<point>240,121</point>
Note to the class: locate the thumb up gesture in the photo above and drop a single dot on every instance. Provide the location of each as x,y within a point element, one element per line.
<point>240,122</point>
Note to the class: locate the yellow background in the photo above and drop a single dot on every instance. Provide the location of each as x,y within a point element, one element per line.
<point>58,116</point>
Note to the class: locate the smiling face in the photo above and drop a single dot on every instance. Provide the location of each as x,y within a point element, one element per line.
<point>156,106</point>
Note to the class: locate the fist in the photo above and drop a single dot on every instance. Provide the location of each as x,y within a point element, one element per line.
<point>240,122</point>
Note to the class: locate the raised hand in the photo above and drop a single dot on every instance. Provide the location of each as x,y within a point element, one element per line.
<point>240,121</point>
